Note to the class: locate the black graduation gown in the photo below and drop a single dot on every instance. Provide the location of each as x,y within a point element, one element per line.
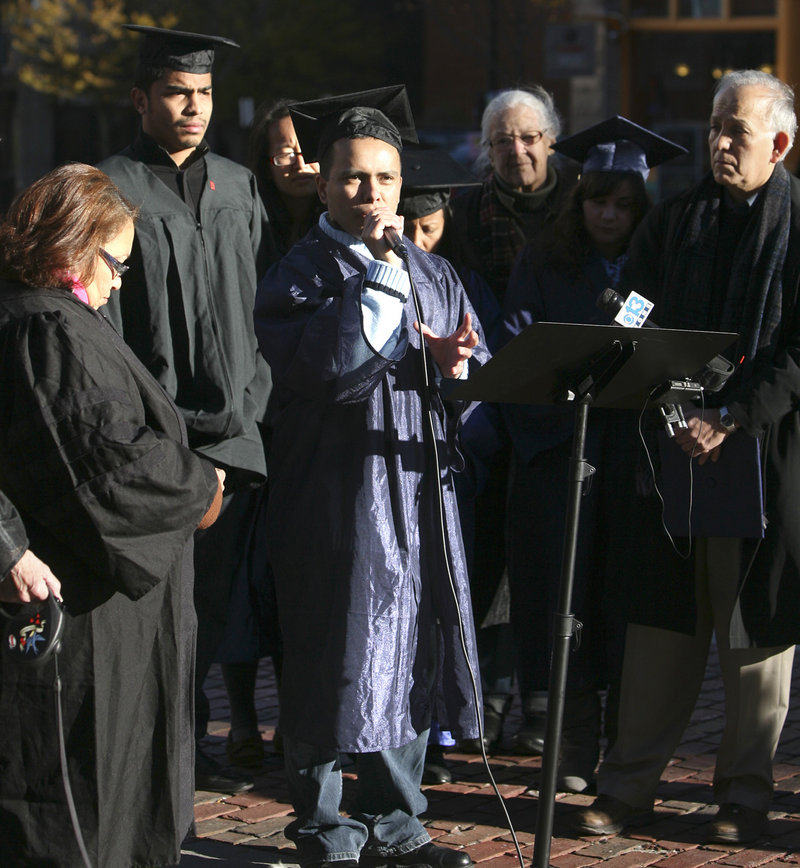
<point>91,455</point>
<point>187,307</point>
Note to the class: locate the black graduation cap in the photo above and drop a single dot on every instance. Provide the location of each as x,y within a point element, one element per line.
<point>382,113</point>
<point>177,49</point>
<point>429,173</point>
<point>618,145</point>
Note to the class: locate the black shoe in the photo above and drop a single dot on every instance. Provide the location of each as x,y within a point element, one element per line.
<point>493,719</point>
<point>208,775</point>
<point>737,824</point>
<point>607,816</point>
<point>426,856</point>
<point>529,739</point>
<point>435,770</point>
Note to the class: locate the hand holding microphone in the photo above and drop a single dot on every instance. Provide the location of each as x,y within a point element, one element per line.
<point>383,234</point>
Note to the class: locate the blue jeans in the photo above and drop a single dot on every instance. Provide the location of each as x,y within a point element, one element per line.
<point>388,802</point>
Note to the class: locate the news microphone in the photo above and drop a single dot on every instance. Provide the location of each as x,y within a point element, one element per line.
<point>395,241</point>
<point>633,312</point>
<point>628,311</point>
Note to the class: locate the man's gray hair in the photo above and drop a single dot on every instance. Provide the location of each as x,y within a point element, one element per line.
<point>781,117</point>
<point>535,98</point>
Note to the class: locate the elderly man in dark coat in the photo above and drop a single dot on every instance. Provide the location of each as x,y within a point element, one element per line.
<point>362,520</point>
<point>723,256</point>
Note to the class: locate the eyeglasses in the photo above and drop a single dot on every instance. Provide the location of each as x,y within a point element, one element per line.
<point>117,268</point>
<point>506,141</point>
<point>285,158</point>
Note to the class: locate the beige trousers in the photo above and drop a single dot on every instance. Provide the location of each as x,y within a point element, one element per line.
<point>661,679</point>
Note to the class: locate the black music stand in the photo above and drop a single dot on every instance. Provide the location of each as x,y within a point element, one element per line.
<point>604,366</point>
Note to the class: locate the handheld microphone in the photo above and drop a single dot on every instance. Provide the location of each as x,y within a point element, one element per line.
<point>395,241</point>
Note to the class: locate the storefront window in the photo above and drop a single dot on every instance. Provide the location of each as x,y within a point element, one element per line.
<point>741,8</point>
<point>700,8</point>
<point>648,8</point>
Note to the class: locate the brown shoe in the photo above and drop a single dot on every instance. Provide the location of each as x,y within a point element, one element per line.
<point>737,824</point>
<point>606,816</point>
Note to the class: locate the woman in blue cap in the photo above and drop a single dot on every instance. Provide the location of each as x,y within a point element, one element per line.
<point>559,278</point>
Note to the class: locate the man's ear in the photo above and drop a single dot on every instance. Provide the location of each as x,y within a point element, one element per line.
<point>139,100</point>
<point>780,145</point>
<point>322,189</point>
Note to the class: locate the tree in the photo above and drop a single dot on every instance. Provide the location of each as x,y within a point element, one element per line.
<point>74,49</point>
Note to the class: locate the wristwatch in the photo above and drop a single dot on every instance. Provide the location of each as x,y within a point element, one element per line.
<point>726,420</point>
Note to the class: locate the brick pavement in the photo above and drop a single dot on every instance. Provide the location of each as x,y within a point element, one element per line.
<point>248,829</point>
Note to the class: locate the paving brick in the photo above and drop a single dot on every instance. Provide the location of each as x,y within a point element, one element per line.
<point>489,850</point>
<point>610,847</point>
<point>748,858</point>
<point>504,861</point>
<point>693,858</point>
<point>210,810</point>
<point>634,858</point>
<point>257,813</point>
<point>265,828</point>
<point>211,828</point>
<point>573,860</point>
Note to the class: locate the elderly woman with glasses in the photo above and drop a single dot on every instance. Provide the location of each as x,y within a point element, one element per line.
<point>286,182</point>
<point>93,456</point>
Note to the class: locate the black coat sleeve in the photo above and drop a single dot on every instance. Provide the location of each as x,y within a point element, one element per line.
<point>89,457</point>
<point>13,539</point>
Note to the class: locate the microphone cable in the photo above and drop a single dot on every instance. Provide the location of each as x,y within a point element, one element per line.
<point>62,750</point>
<point>402,251</point>
<point>683,555</point>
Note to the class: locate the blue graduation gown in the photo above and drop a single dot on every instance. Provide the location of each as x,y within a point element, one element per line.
<point>353,524</point>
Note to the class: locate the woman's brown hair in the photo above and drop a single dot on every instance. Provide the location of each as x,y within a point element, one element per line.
<point>55,228</point>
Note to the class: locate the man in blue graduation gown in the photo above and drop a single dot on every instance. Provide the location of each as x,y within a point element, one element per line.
<point>362,521</point>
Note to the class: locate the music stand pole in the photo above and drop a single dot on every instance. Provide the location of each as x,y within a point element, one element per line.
<point>588,384</point>
<point>532,369</point>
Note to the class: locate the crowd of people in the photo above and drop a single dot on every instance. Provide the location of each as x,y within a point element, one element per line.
<point>249,450</point>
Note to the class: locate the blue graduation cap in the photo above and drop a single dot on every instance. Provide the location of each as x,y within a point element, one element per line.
<point>618,145</point>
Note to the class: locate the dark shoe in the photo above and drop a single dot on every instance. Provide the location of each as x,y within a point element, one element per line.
<point>529,739</point>
<point>737,824</point>
<point>580,742</point>
<point>247,753</point>
<point>426,856</point>
<point>606,816</point>
<point>495,709</point>
<point>208,775</point>
<point>435,770</point>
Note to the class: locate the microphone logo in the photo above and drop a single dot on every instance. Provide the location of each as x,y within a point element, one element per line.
<point>634,311</point>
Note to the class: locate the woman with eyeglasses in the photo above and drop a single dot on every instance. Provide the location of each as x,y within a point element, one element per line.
<point>286,182</point>
<point>93,455</point>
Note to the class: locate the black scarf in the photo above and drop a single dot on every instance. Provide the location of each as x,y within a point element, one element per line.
<point>752,301</point>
